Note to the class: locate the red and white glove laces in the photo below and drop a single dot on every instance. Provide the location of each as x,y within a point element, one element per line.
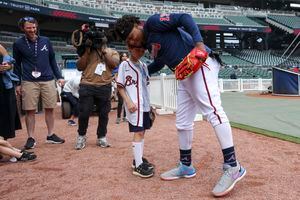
<point>191,63</point>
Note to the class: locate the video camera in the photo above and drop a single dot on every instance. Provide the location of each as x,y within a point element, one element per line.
<point>88,36</point>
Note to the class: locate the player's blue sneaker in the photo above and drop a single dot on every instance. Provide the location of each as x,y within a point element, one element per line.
<point>181,171</point>
<point>230,177</point>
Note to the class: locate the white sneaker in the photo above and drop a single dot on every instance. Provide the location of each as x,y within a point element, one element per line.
<point>118,120</point>
<point>13,159</point>
<point>80,143</point>
<point>102,142</point>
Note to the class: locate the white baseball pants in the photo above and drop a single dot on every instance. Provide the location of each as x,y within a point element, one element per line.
<point>200,92</point>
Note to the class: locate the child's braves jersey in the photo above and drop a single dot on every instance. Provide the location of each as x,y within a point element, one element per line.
<point>169,38</point>
<point>131,78</point>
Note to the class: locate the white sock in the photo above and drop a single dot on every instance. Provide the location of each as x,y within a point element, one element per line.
<point>143,146</point>
<point>185,139</point>
<point>137,153</point>
<point>224,135</point>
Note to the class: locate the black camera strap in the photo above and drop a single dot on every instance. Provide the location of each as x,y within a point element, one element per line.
<point>100,55</point>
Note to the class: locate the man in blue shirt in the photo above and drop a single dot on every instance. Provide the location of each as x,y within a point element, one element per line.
<point>170,38</point>
<point>36,67</point>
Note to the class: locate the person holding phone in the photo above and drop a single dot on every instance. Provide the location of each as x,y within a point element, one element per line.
<point>9,117</point>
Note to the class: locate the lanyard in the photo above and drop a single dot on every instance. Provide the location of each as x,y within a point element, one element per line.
<point>35,48</point>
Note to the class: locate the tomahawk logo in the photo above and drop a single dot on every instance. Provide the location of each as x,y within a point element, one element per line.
<point>44,48</point>
<point>231,158</point>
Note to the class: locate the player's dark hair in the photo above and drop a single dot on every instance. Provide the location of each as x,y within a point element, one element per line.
<point>124,25</point>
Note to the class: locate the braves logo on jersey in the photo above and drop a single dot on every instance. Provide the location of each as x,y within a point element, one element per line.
<point>129,81</point>
<point>164,17</point>
<point>44,48</point>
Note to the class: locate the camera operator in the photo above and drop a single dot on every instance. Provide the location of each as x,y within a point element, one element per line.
<point>96,62</point>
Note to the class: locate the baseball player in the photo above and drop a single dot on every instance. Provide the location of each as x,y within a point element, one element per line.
<point>175,40</point>
<point>133,86</point>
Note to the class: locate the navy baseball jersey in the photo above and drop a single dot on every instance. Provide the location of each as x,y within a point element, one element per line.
<point>37,56</point>
<point>169,38</point>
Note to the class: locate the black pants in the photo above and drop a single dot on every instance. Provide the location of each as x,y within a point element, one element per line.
<point>9,116</point>
<point>74,103</point>
<point>89,96</point>
<point>120,106</point>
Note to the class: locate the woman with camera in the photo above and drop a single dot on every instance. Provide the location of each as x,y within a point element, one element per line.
<point>96,64</point>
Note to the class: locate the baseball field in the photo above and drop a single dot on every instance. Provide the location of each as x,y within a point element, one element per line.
<point>60,172</point>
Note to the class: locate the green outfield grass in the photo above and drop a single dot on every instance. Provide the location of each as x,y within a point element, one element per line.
<point>266,132</point>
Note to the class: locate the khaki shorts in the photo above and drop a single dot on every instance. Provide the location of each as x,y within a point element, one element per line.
<point>32,91</point>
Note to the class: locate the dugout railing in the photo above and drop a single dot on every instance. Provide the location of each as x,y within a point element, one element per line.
<point>163,89</point>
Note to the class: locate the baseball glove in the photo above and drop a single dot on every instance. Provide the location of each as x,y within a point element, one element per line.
<point>191,63</point>
<point>152,116</point>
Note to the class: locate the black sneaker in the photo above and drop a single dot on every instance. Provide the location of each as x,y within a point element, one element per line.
<point>71,122</point>
<point>24,151</point>
<point>143,171</point>
<point>30,143</point>
<point>150,165</point>
<point>27,157</point>
<point>54,139</point>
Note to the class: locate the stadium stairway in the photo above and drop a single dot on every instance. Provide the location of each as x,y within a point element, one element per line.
<point>286,23</point>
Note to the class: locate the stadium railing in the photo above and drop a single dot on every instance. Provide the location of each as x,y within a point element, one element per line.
<point>77,8</point>
<point>263,58</point>
<point>242,21</point>
<point>104,7</point>
<point>163,89</point>
<point>290,21</point>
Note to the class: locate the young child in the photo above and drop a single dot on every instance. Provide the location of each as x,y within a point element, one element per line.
<point>120,108</point>
<point>133,86</point>
<point>7,149</point>
<point>70,90</point>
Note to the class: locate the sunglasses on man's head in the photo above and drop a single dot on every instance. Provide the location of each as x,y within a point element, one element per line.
<point>27,19</point>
